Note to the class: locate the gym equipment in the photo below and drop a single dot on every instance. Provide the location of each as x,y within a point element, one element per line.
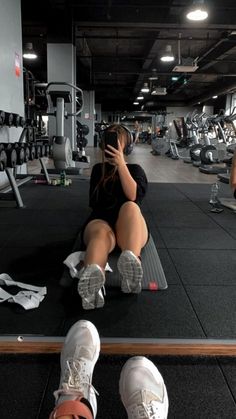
<point>2,118</point>
<point>8,119</point>
<point>81,142</point>
<point>16,120</point>
<point>11,154</point>
<point>3,159</point>
<point>62,152</point>
<point>22,122</point>
<point>153,275</point>
<point>20,154</point>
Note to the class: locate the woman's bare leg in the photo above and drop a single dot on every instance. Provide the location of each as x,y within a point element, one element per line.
<point>100,241</point>
<point>131,228</point>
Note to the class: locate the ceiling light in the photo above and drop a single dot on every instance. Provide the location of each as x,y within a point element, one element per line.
<point>135,103</point>
<point>198,11</point>
<point>153,78</point>
<point>168,55</point>
<point>145,88</point>
<point>29,52</point>
<point>174,78</point>
<point>140,97</point>
<point>214,97</point>
<point>159,91</point>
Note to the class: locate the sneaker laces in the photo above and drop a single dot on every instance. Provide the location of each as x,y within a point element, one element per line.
<point>75,380</point>
<point>146,409</point>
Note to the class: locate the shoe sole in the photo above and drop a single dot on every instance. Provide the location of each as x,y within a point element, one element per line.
<point>131,273</point>
<point>89,289</point>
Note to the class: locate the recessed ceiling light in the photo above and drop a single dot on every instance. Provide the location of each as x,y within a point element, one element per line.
<point>29,52</point>
<point>198,11</point>
<point>145,88</point>
<point>168,55</point>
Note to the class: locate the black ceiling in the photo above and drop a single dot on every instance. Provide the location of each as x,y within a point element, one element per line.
<point>119,44</point>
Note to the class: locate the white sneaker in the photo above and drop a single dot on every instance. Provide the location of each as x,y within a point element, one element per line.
<point>131,272</point>
<point>91,282</point>
<point>78,358</point>
<point>142,390</point>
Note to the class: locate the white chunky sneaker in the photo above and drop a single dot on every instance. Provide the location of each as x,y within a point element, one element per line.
<point>90,286</point>
<point>78,358</point>
<point>131,272</point>
<point>142,390</point>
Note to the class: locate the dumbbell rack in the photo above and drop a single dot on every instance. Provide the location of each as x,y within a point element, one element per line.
<point>10,195</point>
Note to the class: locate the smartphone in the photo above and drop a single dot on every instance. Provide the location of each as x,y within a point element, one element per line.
<point>111,138</point>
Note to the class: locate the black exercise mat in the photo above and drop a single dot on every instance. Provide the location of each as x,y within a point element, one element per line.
<point>153,274</point>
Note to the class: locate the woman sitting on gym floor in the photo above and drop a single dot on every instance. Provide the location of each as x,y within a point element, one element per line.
<point>116,192</point>
<point>233,175</point>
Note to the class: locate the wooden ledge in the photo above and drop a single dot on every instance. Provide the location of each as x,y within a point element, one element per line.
<point>113,346</point>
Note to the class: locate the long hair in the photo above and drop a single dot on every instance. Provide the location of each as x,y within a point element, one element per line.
<point>111,175</point>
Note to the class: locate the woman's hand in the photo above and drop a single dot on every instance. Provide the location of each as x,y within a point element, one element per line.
<point>116,157</point>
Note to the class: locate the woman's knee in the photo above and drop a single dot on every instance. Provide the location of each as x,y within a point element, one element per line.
<point>97,229</point>
<point>129,208</point>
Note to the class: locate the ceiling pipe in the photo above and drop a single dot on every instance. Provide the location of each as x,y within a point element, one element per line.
<point>218,92</point>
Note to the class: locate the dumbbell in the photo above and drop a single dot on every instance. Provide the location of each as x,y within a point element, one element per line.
<point>22,121</point>
<point>10,153</point>
<point>2,118</point>
<point>32,151</point>
<point>26,150</point>
<point>8,119</point>
<point>3,158</point>
<point>16,120</point>
<point>20,154</point>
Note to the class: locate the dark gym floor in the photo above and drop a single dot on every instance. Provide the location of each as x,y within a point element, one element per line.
<point>197,250</point>
<point>198,388</point>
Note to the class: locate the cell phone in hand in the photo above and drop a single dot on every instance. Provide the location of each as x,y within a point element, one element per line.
<point>111,138</point>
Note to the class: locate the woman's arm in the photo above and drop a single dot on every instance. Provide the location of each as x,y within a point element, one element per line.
<point>129,185</point>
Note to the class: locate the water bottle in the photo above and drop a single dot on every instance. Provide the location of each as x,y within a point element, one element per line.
<point>214,194</point>
<point>63,178</point>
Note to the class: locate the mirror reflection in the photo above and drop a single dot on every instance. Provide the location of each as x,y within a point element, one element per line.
<point>118,179</point>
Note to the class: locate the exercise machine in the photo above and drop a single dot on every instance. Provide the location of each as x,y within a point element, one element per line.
<point>62,153</point>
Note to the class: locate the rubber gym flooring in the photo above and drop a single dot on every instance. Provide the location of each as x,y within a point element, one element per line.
<point>198,388</point>
<point>197,250</point>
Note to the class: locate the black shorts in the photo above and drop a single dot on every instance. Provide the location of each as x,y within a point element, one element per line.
<point>235,194</point>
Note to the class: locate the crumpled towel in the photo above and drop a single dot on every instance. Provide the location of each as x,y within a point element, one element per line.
<point>74,259</point>
<point>30,297</point>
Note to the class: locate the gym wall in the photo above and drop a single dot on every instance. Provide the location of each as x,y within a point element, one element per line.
<point>11,68</point>
<point>176,112</point>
